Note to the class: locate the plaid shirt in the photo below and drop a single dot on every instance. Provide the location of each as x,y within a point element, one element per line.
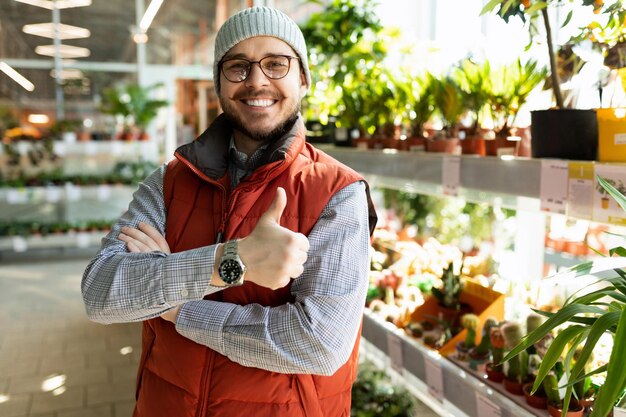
<point>315,334</point>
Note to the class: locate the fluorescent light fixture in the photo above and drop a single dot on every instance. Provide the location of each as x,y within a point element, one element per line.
<point>68,74</point>
<point>60,4</point>
<point>152,10</point>
<point>38,119</point>
<point>16,76</point>
<point>46,30</point>
<point>66,51</point>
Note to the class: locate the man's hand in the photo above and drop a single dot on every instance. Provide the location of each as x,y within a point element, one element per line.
<point>273,254</point>
<point>144,239</point>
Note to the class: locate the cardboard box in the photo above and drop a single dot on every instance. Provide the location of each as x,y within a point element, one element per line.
<point>612,134</point>
<point>484,302</point>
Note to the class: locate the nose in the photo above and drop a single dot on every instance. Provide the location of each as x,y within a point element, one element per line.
<point>256,76</point>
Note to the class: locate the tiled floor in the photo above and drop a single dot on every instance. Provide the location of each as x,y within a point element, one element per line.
<point>53,361</point>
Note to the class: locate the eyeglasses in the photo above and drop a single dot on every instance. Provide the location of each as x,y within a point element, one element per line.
<point>237,70</point>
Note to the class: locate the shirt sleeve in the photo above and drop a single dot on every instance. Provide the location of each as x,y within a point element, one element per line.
<point>316,333</point>
<point>119,286</point>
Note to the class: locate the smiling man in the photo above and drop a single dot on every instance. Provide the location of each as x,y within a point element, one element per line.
<point>246,256</point>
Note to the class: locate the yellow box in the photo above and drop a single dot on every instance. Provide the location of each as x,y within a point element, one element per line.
<point>484,302</point>
<point>612,134</point>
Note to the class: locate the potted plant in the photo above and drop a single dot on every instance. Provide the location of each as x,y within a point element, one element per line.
<point>448,296</point>
<point>422,110</point>
<point>494,369</point>
<point>480,354</point>
<point>591,315</point>
<point>470,323</point>
<point>449,105</point>
<point>134,104</point>
<point>561,132</point>
<point>516,368</point>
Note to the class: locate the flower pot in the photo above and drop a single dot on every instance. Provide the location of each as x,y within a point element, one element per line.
<point>478,362</point>
<point>473,145</point>
<point>575,409</point>
<point>565,134</point>
<point>493,374</point>
<point>448,145</point>
<point>462,352</point>
<point>452,315</point>
<point>534,400</point>
<point>514,387</point>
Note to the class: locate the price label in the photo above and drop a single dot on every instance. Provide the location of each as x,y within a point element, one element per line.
<point>117,148</point>
<point>53,194</point>
<point>82,240</point>
<point>17,196</point>
<point>60,148</point>
<point>394,348</point>
<point>72,192</point>
<point>487,408</point>
<point>434,377</point>
<point>554,186</point>
<point>19,244</point>
<point>104,192</point>
<point>90,148</point>
<point>451,175</point>
<point>619,412</point>
<point>580,190</point>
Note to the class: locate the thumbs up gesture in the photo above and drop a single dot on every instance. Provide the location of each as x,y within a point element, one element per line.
<point>273,254</point>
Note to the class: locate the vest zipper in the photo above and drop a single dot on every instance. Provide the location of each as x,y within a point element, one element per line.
<point>204,383</point>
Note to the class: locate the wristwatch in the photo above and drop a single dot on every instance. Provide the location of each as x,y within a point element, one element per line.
<point>231,269</point>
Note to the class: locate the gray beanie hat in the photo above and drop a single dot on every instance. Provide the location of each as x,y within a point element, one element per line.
<point>259,21</point>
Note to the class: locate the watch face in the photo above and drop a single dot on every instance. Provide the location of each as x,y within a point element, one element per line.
<point>230,271</point>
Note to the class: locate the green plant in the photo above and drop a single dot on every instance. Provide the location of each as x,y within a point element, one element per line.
<point>531,11</point>
<point>132,102</point>
<point>448,99</point>
<point>589,316</point>
<point>517,365</point>
<point>508,88</point>
<point>473,81</point>
<point>374,395</point>
<point>449,293</point>
<point>422,108</point>
<point>470,323</point>
<point>484,347</point>
<point>497,347</point>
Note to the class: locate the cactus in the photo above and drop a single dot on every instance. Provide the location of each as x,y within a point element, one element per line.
<point>449,294</point>
<point>484,346</point>
<point>517,365</point>
<point>551,387</point>
<point>533,321</point>
<point>470,323</point>
<point>497,347</point>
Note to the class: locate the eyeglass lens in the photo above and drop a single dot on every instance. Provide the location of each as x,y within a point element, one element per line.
<point>273,66</point>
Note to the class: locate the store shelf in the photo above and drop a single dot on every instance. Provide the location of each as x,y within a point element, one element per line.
<point>461,388</point>
<point>482,178</point>
<point>62,245</point>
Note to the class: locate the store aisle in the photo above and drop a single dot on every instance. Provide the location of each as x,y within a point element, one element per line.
<point>53,361</point>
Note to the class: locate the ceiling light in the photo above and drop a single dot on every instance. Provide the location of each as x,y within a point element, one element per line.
<point>65,51</point>
<point>68,74</point>
<point>46,30</point>
<point>152,10</point>
<point>16,76</point>
<point>60,4</point>
<point>38,119</point>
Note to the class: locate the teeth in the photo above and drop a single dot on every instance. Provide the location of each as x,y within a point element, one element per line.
<point>259,103</point>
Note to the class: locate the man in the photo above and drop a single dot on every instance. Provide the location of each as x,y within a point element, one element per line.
<point>257,309</point>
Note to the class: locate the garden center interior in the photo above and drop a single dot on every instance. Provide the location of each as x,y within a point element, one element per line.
<point>492,134</point>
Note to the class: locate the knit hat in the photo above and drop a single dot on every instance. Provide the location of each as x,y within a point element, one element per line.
<point>259,21</point>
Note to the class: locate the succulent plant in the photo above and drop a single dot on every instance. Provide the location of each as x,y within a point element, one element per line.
<point>450,292</point>
<point>470,323</point>
<point>517,366</point>
<point>484,346</point>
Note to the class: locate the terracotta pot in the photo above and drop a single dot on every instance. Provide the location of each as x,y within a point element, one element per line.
<point>462,352</point>
<point>473,145</point>
<point>493,374</point>
<point>478,363</point>
<point>535,400</point>
<point>514,387</point>
<point>448,145</point>
<point>575,410</point>
<point>416,144</point>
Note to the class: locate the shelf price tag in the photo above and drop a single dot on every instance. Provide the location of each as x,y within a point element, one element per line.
<point>394,348</point>
<point>104,192</point>
<point>580,190</point>
<point>72,192</point>
<point>17,196</point>
<point>487,408</point>
<point>434,377</point>
<point>19,244</point>
<point>82,240</point>
<point>53,194</point>
<point>553,187</point>
<point>451,175</point>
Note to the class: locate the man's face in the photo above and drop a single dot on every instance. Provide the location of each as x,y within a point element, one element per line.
<point>259,107</point>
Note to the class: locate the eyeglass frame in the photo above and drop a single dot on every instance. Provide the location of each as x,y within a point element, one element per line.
<point>289,58</point>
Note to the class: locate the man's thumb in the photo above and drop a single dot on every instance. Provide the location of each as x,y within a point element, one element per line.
<point>275,211</point>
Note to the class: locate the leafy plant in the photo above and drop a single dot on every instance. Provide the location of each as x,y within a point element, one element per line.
<point>452,286</point>
<point>531,11</point>
<point>589,317</point>
<point>132,101</point>
<point>448,99</point>
<point>374,395</point>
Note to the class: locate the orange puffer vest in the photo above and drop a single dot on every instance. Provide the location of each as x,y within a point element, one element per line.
<point>180,378</point>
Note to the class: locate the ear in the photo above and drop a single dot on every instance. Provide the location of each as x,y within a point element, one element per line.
<point>303,86</point>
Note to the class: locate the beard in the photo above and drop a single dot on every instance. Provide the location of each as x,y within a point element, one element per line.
<point>263,137</point>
